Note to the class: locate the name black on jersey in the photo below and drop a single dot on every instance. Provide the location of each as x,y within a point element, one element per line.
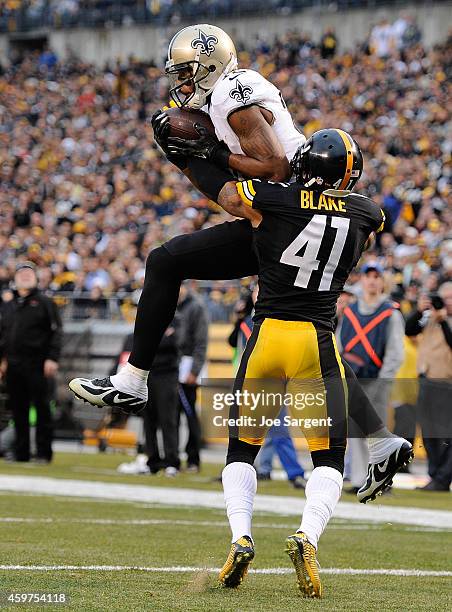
<point>307,243</point>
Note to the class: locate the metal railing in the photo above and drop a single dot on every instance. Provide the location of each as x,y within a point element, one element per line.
<point>122,306</point>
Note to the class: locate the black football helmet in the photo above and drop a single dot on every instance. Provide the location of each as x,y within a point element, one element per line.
<point>330,159</point>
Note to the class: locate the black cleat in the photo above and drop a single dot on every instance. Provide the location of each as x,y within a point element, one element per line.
<point>101,392</point>
<point>380,475</point>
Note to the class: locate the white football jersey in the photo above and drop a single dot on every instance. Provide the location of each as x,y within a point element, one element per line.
<point>242,88</point>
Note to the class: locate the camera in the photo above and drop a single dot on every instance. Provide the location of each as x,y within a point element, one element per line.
<point>437,301</point>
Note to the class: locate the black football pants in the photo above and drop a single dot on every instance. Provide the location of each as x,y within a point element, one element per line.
<point>161,412</point>
<point>25,385</point>
<point>221,252</point>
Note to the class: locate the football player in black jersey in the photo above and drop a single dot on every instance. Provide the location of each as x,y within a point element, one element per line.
<point>309,235</point>
<point>220,252</point>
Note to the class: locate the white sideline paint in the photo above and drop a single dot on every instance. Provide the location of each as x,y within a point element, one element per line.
<point>185,569</point>
<point>290,506</point>
<point>189,523</point>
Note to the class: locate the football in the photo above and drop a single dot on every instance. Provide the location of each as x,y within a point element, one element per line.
<point>182,123</point>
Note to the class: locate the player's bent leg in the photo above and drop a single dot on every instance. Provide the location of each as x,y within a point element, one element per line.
<point>128,389</point>
<point>224,251</point>
<point>221,252</point>
<point>388,453</point>
<point>360,408</point>
<point>239,485</point>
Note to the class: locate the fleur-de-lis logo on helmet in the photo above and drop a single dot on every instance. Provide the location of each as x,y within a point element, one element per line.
<point>206,42</point>
<point>241,93</point>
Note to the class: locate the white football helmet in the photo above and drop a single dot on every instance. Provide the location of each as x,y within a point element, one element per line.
<point>198,55</point>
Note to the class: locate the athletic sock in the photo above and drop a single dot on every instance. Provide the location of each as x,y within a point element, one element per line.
<point>131,380</point>
<point>381,444</point>
<point>323,491</point>
<point>239,485</point>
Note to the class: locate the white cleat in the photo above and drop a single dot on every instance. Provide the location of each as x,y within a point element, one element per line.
<point>380,475</point>
<point>101,392</point>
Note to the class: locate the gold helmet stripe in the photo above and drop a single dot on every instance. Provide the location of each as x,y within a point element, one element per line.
<point>383,221</point>
<point>349,158</point>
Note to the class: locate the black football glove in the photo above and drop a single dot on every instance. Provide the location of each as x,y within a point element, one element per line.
<point>160,125</point>
<point>207,146</point>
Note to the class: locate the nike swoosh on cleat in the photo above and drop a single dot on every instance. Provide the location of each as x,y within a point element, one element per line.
<point>125,400</point>
<point>96,390</point>
<point>388,464</point>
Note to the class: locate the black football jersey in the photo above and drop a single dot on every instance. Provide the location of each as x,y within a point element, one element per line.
<point>307,243</point>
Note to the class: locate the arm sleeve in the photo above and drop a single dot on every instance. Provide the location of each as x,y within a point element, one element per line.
<point>412,326</point>
<point>394,351</point>
<point>208,177</point>
<point>56,332</point>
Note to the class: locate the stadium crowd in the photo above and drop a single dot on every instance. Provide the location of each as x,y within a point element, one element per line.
<point>85,193</point>
<point>23,15</point>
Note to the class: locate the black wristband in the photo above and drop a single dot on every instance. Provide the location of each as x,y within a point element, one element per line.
<point>209,177</point>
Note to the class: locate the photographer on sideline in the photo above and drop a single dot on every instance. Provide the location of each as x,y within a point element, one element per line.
<point>433,319</point>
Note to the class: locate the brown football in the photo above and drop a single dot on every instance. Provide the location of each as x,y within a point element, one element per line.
<point>182,122</point>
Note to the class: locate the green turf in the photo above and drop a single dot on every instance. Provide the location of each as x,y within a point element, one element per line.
<point>71,540</point>
<point>103,467</point>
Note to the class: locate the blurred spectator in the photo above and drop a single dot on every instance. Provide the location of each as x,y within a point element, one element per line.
<point>30,345</point>
<point>412,34</point>
<point>161,412</point>
<point>370,338</point>
<point>48,59</point>
<point>433,319</point>
<point>328,44</point>
<point>194,333</point>
<point>382,40</point>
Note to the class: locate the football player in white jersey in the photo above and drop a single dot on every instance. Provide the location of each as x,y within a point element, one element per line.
<point>248,112</point>
<point>258,140</point>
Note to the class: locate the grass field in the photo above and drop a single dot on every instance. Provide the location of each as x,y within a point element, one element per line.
<point>61,531</point>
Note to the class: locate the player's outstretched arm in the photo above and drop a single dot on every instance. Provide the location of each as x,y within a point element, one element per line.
<point>264,155</point>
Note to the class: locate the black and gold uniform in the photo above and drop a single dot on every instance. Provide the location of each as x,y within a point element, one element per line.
<point>307,244</point>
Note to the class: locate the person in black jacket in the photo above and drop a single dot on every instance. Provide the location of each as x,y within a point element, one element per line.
<point>161,411</point>
<point>194,332</point>
<point>30,345</point>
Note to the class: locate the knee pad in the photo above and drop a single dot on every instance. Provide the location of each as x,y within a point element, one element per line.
<point>241,451</point>
<point>333,457</point>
